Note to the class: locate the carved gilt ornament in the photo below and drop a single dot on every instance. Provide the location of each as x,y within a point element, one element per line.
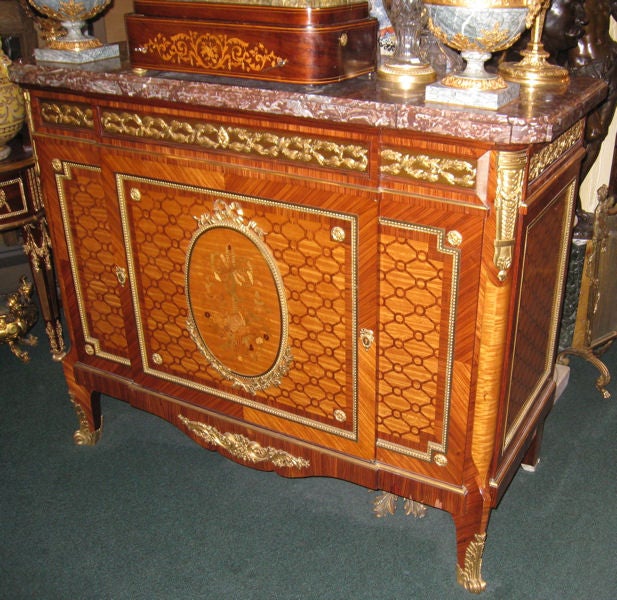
<point>83,436</point>
<point>508,198</point>
<point>241,140</point>
<point>429,169</point>
<point>470,575</point>
<point>69,115</point>
<point>553,151</point>
<point>243,448</point>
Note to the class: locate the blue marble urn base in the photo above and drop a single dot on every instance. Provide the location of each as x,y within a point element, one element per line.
<point>77,57</point>
<point>490,99</point>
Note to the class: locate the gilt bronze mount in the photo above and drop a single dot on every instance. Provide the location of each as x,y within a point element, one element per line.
<point>17,318</point>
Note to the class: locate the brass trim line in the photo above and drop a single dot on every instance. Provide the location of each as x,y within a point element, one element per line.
<point>4,202</point>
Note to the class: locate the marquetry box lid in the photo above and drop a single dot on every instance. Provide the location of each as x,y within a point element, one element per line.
<point>291,41</point>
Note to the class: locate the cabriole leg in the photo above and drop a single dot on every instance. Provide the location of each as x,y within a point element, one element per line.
<point>470,539</point>
<point>87,406</point>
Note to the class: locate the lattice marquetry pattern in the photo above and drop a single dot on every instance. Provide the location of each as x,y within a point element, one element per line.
<point>92,246</point>
<point>413,286</point>
<point>316,272</point>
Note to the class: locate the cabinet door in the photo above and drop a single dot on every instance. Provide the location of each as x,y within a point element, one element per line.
<point>529,381</point>
<point>429,273</point>
<point>86,245</point>
<point>250,296</point>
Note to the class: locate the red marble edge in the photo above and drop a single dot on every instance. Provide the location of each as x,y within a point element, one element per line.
<point>508,125</point>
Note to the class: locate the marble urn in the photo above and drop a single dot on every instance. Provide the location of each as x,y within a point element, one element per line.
<point>476,28</point>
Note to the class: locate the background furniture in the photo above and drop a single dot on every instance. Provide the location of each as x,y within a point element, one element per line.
<point>595,326</point>
<point>327,283</point>
<point>21,207</point>
<point>16,30</point>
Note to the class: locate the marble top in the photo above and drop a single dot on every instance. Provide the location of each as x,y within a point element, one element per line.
<point>532,118</point>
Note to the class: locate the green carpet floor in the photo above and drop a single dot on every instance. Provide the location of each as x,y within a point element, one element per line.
<point>147,514</point>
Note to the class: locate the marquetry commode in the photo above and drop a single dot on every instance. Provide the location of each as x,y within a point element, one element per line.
<point>331,283</point>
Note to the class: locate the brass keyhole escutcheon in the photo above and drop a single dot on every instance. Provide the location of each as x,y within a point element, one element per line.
<point>120,275</point>
<point>367,337</point>
<point>343,39</point>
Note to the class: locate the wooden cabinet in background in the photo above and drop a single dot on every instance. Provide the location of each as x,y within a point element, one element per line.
<point>21,209</point>
<point>313,294</point>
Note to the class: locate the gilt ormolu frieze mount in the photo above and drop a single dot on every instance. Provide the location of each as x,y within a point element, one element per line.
<point>241,447</point>
<point>67,115</point>
<point>428,169</point>
<point>241,140</point>
<point>549,154</point>
<point>508,199</point>
<point>236,299</point>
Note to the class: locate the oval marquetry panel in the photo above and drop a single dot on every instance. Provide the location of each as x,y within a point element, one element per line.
<point>235,300</point>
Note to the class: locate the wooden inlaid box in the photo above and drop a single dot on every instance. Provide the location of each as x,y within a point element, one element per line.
<point>298,43</point>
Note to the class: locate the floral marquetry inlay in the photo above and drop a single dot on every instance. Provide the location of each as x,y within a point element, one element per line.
<point>236,299</point>
<point>213,52</point>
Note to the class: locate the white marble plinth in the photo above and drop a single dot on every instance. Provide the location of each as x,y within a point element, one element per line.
<point>491,99</point>
<point>77,56</point>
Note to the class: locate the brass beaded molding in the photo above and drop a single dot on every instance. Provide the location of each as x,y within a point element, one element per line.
<point>213,136</point>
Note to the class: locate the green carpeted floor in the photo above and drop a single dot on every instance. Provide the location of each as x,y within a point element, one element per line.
<point>147,514</point>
